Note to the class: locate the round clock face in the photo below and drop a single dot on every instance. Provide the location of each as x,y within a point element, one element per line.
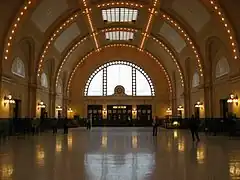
<point>119,90</point>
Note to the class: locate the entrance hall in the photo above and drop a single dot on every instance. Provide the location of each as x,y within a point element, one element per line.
<point>119,153</point>
<point>111,73</point>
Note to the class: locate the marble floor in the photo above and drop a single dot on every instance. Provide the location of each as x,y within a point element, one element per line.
<point>119,154</point>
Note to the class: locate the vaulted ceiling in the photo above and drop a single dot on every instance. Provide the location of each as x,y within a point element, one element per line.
<point>169,30</point>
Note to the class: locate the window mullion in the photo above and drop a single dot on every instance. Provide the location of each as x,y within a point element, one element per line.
<point>105,81</point>
<point>133,81</point>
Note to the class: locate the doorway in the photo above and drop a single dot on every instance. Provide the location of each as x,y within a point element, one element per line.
<point>95,112</point>
<point>144,112</point>
<point>43,113</point>
<point>224,108</point>
<point>17,109</point>
<point>119,112</point>
<point>197,112</point>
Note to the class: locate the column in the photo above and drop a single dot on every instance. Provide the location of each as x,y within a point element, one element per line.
<point>174,94</point>
<point>32,98</point>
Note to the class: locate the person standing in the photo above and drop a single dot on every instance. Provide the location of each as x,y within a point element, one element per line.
<point>65,126</point>
<point>155,126</point>
<point>194,125</point>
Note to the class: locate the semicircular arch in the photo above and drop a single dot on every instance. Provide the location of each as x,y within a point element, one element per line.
<point>134,68</point>
<point>124,56</point>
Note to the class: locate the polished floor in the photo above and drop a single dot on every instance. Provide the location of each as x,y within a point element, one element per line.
<point>119,154</point>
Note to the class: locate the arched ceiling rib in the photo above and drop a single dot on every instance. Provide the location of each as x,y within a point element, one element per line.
<point>158,42</point>
<point>163,16</point>
<point>209,3</point>
<point>85,57</point>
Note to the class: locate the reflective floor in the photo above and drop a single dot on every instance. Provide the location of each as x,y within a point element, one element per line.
<point>119,154</point>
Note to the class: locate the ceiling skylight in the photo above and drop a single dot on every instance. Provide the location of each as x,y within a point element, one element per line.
<point>119,35</point>
<point>119,15</point>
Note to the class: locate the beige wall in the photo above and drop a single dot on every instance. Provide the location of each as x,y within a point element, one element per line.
<point>212,42</point>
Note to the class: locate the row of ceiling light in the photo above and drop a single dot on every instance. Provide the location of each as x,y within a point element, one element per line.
<point>214,4</point>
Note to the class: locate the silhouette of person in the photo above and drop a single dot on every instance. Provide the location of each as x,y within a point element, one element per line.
<point>194,128</point>
<point>155,126</point>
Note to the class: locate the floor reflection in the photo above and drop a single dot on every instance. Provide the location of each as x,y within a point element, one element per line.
<point>119,166</point>
<point>119,153</point>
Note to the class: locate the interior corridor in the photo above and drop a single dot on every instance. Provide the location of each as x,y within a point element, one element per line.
<point>119,154</point>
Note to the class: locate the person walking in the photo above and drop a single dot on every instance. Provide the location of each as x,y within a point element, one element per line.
<point>194,128</point>
<point>155,126</point>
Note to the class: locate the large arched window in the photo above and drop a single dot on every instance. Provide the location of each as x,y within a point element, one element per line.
<point>110,75</point>
<point>196,80</point>
<point>222,67</point>
<point>18,67</point>
<point>44,80</point>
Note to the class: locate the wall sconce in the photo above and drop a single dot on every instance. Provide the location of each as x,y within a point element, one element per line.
<point>8,100</point>
<point>58,108</point>
<point>180,108</point>
<point>41,105</point>
<point>134,111</point>
<point>199,104</point>
<point>233,99</point>
<point>169,111</point>
<point>104,112</point>
<point>69,110</point>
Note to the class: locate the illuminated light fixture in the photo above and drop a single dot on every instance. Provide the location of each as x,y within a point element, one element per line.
<point>8,100</point>
<point>58,108</point>
<point>119,15</point>
<point>69,110</point>
<point>233,99</point>
<point>180,108</point>
<point>119,36</point>
<point>120,3</point>
<point>176,123</point>
<point>41,105</point>
<point>169,111</point>
<point>199,104</point>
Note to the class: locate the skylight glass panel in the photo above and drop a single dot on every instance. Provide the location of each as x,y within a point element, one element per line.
<point>119,35</point>
<point>119,15</point>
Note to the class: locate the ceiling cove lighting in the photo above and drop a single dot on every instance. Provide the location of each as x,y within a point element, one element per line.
<point>119,35</point>
<point>119,15</point>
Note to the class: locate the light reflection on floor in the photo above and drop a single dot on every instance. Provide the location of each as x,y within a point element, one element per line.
<point>119,154</point>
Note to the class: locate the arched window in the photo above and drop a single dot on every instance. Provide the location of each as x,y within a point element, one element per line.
<point>18,67</point>
<point>44,81</point>
<point>196,80</point>
<point>106,78</point>
<point>222,67</point>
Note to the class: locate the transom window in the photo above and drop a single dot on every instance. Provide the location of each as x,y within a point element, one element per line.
<point>119,15</point>
<point>110,75</point>
<point>18,67</point>
<point>119,35</point>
